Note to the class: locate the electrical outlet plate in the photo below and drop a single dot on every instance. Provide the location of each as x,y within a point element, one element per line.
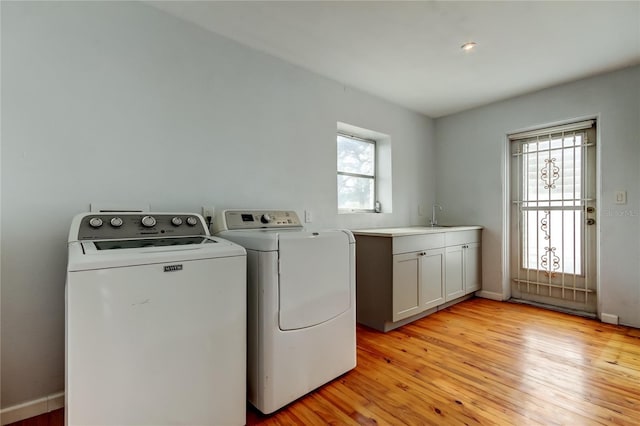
<point>208,212</point>
<point>307,216</point>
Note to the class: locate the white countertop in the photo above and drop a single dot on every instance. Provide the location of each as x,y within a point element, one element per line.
<point>412,230</point>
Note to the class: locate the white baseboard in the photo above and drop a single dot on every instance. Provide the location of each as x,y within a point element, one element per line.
<point>31,408</point>
<point>609,318</point>
<point>490,295</point>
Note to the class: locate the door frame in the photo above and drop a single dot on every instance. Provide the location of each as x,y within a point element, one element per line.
<point>506,201</point>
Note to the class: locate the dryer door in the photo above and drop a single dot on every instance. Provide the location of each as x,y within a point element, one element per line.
<point>314,280</point>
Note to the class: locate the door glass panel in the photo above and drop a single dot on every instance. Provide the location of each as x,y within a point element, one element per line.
<point>552,241</point>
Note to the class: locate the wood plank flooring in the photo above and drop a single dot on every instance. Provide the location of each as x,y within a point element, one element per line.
<point>478,363</point>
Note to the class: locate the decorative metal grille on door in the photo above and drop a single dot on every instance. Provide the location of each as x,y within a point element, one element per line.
<point>553,194</point>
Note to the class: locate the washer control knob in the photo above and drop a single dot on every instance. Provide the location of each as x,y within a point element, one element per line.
<point>116,222</point>
<point>265,218</point>
<point>192,221</point>
<point>176,221</point>
<point>95,222</point>
<point>148,221</point>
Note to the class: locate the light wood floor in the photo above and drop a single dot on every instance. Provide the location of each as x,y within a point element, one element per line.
<point>479,362</point>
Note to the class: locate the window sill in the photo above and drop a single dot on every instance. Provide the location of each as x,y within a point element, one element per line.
<point>355,211</point>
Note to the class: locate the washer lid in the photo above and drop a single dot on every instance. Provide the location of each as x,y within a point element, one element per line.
<point>150,242</point>
<point>315,278</point>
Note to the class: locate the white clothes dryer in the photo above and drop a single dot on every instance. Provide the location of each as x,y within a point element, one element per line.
<point>155,322</point>
<point>301,303</point>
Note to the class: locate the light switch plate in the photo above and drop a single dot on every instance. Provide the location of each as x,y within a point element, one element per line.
<point>621,197</point>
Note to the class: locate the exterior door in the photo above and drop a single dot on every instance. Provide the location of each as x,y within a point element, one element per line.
<point>553,232</point>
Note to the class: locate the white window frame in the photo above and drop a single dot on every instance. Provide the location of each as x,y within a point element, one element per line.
<point>372,177</point>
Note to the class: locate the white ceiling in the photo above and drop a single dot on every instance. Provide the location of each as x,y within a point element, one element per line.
<point>409,52</point>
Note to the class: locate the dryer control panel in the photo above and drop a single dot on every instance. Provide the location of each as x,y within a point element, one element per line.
<point>123,225</point>
<point>257,219</point>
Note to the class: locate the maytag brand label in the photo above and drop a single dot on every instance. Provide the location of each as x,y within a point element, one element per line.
<point>172,268</point>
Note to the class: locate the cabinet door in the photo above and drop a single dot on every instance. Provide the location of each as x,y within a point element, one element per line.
<point>454,273</point>
<point>472,272</point>
<point>406,285</point>
<point>432,274</point>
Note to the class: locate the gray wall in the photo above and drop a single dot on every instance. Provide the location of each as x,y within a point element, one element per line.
<point>470,175</point>
<point>118,102</point>
<point>121,103</point>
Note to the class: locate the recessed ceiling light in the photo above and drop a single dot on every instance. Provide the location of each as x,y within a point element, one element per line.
<point>468,46</point>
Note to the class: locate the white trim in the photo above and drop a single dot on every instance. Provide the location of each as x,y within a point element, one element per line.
<point>505,255</point>
<point>599,203</point>
<point>609,318</point>
<point>33,408</point>
<point>491,295</point>
<point>581,125</point>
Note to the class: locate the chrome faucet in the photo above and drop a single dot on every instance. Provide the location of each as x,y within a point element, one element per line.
<point>434,221</point>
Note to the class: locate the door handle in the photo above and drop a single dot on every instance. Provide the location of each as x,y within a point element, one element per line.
<point>591,221</point>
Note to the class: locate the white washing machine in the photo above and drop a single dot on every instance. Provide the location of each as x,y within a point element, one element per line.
<point>301,303</point>
<point>155,322</point>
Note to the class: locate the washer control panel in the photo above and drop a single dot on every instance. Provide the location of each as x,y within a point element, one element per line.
<point>123,225</point>
<point>256,219</point>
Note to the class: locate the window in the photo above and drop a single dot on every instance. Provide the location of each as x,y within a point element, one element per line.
<point>356,173</point>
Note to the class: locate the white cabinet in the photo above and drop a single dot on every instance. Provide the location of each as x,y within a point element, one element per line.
<point>405,288</point>
<point>418,282</point>
<point>462,265</point>
<point>432,279</point>
<point>399,277</point>
<point>454,270</point>
<point>472,271</point>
